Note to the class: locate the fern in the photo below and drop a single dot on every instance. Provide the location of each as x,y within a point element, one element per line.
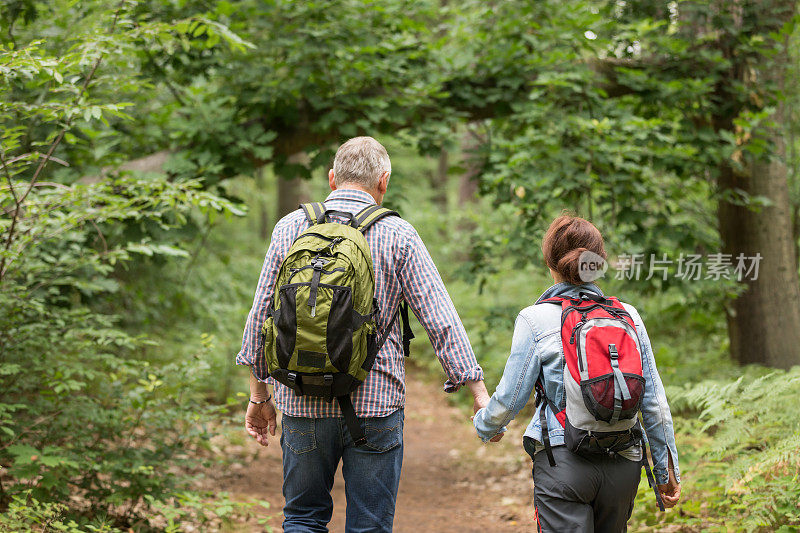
<point>740,444</point>
<point>748,414</point>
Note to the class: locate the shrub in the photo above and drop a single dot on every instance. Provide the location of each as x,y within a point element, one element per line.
<point>84,419</point>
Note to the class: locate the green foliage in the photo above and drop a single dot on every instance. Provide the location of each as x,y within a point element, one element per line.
<point>84,417</point>
<point>739,442</point>
<point>634,110</point>
<point>76,395</point>
<point>28,514</point>
<point>210,511</point>
<point>122,297</point>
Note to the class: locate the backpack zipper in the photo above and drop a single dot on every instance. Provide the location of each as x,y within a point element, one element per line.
<point>317,263</point>
<point>320,235</point>
<point>294,271</point>
<point>575,330</point>
<point>585,310</point>
<point>333,243</point>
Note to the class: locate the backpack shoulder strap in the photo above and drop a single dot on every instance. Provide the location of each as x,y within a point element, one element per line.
<point>558,300</point>
<point>646,462</point>
<point>351,419</point>
<point>542,402</point>
<point>313,211</point>
<point>370,215</point>
<point>408,333</point>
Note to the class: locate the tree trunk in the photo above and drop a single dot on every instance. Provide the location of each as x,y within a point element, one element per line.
<point>292,189</point>
<point>764,321</point>
<point>468,180</point>
<point>467,187</point>
<point>149,163</point>
<point>263,209</point>
<point>440,180</point>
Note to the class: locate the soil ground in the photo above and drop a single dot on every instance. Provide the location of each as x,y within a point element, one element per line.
<point>450,480</point>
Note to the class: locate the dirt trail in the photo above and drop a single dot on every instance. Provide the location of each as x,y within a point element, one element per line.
<point>450,481</point>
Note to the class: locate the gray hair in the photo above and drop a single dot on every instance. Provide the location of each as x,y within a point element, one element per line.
<point>361,160</point>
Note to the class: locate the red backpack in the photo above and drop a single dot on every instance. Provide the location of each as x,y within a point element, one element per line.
<point>603,381</point>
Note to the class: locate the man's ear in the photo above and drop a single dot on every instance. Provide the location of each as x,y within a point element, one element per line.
<point>331,181</point>
<point>383,183</point>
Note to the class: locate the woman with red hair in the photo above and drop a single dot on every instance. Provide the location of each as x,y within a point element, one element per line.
<point>585,440</point>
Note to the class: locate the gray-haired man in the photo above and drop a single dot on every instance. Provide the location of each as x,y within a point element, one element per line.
<point>315,436</point>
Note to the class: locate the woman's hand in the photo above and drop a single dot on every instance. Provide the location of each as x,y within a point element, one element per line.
<point>671,490</point>
<point>260,419</point>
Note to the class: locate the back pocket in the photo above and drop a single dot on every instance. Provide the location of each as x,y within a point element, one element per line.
<point>384,433</point>
<point>299,433</point>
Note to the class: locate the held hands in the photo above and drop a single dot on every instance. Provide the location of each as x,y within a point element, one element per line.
<point>260,419</point>
<point>481,396</point>
<point>479,404</point>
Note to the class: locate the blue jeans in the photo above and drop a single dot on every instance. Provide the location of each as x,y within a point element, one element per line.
<point>312,448</point>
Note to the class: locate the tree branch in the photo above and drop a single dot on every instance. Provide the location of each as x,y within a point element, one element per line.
<point>8,177</point>
<point>43,161</point>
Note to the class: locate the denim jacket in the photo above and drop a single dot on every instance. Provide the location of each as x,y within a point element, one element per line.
<point>536,348</point>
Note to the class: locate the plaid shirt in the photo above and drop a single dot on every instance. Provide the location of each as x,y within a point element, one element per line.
<point>403,270</point>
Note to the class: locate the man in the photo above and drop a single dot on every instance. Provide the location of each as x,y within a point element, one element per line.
<point>315,436</point>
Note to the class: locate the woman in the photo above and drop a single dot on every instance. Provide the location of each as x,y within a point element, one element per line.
<point>581,492</point>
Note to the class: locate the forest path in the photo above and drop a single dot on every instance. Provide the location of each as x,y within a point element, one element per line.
<point>450,480</point>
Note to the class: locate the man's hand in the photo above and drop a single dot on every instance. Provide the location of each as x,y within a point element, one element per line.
<point>480,395</point>
<point>260,419</point>
<point>479,404</point>
<point>671,490</point>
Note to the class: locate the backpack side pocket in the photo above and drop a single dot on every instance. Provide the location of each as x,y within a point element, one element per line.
<point>268,343</point>
<point>264,358</point>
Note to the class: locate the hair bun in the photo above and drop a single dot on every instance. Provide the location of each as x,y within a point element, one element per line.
<point>566,240</point>
<point>569,265</point>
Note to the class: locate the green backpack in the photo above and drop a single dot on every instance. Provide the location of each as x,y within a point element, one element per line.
<point>320,337</point>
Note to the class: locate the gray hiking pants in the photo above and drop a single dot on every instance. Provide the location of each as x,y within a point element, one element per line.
<point>579,495</point>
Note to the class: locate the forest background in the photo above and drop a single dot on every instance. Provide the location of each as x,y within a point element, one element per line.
<point>148,147</point>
